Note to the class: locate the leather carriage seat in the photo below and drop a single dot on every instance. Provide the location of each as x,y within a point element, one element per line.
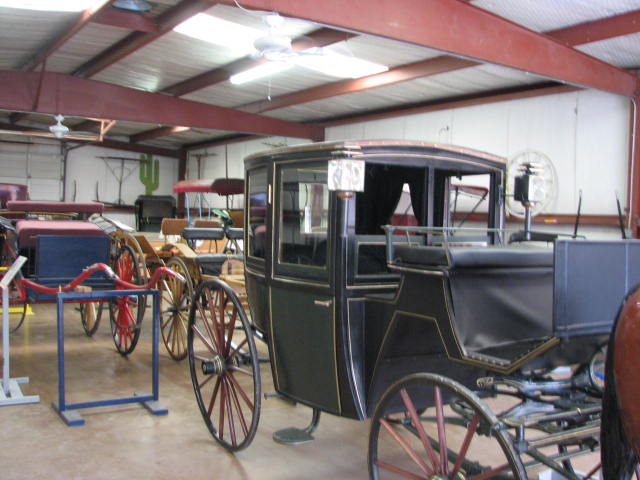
<point>499,295</point>
<point>198,233</point>
<point>28,230</point>
<point>473,257</point>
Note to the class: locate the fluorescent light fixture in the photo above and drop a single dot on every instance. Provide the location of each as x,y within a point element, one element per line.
<point>341,66</point>
<point>264,70</point>
<point>52,5</point>
<point>237,38</point>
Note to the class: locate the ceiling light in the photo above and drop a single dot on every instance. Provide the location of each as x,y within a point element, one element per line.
<point>237,38</point>
<point>52,5</point>
<point>132,5</point>
<point>264,70</point>
<point>341,66</point>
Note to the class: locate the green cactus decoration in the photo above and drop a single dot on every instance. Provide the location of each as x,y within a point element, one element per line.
<point>149,173</point>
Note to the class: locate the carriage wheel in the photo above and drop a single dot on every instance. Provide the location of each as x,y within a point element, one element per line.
<point>174,309</point>
<point>224,365</point>
<point>16,319</point>
<point>126,313</point>
<point>90,315</point>
<point>455,437</point>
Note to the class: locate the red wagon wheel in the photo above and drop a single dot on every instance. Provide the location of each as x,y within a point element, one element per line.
<point>175,301</point>
<point>126,313</point>
<point>224,365</point>
<point>429,426</point>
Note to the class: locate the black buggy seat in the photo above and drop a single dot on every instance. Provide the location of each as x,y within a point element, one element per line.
<point>499,299</point>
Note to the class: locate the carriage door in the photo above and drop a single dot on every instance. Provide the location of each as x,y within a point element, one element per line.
<point>301,295</point>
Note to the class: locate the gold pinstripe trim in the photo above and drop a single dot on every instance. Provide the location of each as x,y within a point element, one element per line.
<point>276,379</point>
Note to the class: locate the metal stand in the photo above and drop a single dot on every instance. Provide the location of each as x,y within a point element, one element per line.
<point>69,411</point>
<point>11,394</point>
<point>295,436</point>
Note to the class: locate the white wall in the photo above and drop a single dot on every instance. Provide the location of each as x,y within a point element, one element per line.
<point>585,134</point>
<point>87,171</point>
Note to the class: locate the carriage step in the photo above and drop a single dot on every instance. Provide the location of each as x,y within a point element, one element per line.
<point>481,357</point>
<point>588,430</point>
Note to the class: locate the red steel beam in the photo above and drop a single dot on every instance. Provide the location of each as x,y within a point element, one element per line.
<point>458,102</point>
<point>84,18</point>
<point>597,30</point>
<point>461,29</point>
<point>135,41</point>
<point>156,133</point>
<point>403,73</point>
<point>130,21</point>
<point>105,143</point>
<point>319,38</point>
<point>60,93</point>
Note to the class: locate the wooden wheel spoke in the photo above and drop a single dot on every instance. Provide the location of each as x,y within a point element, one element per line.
<point>228,404</point>
<point>490,473</point>
<point>229,338</point>
<point>241,370</point>
<point>424,438</point>
<point>240,390</point>
<point>398,471</point>
<point>238,407</point>
<point>471,430</point>
<point>214,395</point>
<point>442,437</point>
<point>204,340</point>
<point>209,328</point>
<point>406,447</point>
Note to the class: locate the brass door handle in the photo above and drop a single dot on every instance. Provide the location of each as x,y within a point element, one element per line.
<point>323,303</point>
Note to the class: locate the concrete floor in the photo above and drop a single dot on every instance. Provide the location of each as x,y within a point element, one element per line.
<point>127,442</point>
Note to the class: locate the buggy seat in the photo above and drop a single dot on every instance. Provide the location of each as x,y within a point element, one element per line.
<point>499,296</point>
<point>28,230</point>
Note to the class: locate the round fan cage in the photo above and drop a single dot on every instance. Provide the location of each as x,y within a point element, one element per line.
<point>547,172</point>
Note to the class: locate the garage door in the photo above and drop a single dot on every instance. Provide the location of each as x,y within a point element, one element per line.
<point>37,165</point>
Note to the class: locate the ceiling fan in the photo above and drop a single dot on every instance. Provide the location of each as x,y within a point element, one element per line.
<point>62,132</point>
<point>275,45</point>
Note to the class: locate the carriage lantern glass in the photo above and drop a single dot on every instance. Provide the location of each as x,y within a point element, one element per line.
<point>346,176</point>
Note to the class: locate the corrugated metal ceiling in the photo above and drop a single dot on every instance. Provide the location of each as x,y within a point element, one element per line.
<point>166,60</point>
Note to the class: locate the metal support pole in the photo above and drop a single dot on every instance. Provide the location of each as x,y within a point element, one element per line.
<point>11,394</point>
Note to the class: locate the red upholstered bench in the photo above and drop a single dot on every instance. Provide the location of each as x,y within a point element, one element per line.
<point>55,207</point>
<point>28,230</point>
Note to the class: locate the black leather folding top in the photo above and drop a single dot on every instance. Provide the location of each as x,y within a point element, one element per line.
<point>474,257</point>
<point>203,233</point>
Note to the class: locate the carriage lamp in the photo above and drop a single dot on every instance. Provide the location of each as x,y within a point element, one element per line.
<point>346,176</point>
<point>528,187</point>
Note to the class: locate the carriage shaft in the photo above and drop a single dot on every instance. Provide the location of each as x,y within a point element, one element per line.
<point>571,434</point>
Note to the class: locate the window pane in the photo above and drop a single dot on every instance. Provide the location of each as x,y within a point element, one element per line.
<point>304,206</point>
<point>257,213</point>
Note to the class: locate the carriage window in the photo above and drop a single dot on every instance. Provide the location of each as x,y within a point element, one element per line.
<point>468,208</point>
<point>303,210</point>
<point>257,213</point>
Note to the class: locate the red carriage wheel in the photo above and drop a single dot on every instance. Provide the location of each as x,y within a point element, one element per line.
<point>126,312</point>
<point>429,426</point>
<point>224,365</point>
<point>175,301</point>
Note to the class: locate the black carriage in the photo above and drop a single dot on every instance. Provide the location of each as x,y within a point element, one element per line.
<point>376,302</point>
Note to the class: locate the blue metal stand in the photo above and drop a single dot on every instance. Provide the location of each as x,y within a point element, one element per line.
<point>69,411</point>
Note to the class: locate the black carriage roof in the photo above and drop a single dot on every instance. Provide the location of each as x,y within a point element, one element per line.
<point>397,152</point>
